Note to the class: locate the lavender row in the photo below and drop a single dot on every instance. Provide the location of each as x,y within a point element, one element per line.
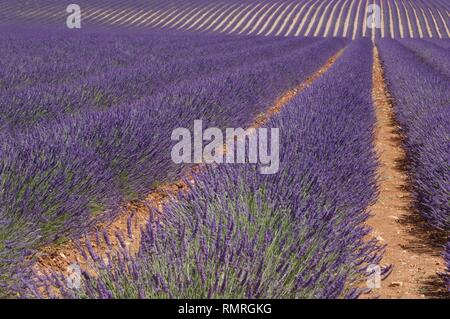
<point>98,55</point>
<point>437,57</point>
<point>421,104</point>
<point>298,233</point>
<point>45,102</point>
<point>410,19</point>
<point>78,56</point>
<point>422,107</point>
<point>58,180</point>
<point>441,43</point>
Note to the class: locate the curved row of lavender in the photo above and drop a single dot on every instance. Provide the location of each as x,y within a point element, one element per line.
<point>239,234</point>
<point>323,18</point>
<point>421,97</point>
<point>76,168</point>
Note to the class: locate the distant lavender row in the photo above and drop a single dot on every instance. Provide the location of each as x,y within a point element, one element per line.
<point>323,18</point>
<point>296,234</point>
<point>433,54</point>
<point>44,102</point>
<point>421,99</point>
<point>27,58</point>
<point>441,43</point>
<point>59,179</point>
<point>50,99</point>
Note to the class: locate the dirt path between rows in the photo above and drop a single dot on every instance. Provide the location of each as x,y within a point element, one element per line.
<point>412,247</point>
<point>135,215</point>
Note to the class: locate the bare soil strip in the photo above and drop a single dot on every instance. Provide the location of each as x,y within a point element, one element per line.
<point>313,19</point>
<point>438,30</point>
<point>427,25</point>
<point>408,22</point>
<point>339,19</point>
<point>347,20</point>
<point>400,22</point>
<point>242,19</point>
<point>444,23</point>
<point>278,19</point>
<point>391,20</point>
<point>136,215</point>
<point>330,19</point>
<point>355,22</point>
<point>287,19</point>
<point>412,247</point>
<point>237,16</point>
<point>305,17</point>
<point>364,24</point>
<point>297,16</point>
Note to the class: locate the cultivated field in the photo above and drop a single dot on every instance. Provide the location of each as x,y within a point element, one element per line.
<point>317,18</point>
<point>88,180</point>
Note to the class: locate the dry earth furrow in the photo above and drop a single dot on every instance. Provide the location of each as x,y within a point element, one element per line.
<point>412,247</point>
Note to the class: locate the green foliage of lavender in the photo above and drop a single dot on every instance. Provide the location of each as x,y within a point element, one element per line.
<point>244,248</point>
<point>227,239</point>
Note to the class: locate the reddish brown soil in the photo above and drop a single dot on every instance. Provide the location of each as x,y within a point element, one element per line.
<point>59,257</point>
<point>412,247</point>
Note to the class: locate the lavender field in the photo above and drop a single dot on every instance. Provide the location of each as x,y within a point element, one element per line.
<point>328,18</point>
<point>87,171</point>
